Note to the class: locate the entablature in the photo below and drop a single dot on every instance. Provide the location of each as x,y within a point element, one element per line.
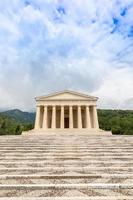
<point>66,103</point>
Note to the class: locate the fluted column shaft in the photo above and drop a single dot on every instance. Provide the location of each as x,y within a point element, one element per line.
<point>95,118</point>
<point>62,117</point>
<point>70,117</point>
<point>37,120</point>
<point>53,117</point>
<point>88,122</point>
<point>79,118</point>
<point>45,117</point>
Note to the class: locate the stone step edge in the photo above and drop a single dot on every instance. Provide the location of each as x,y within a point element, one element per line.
<point>65,176</point>
<point>62,144</point>
<point>10,148</point>
<point>67,186</point>
<point>61,158</point>
<point>70,198</point>
<point>79,146</point>
<point>63,167</point>
<point>68,162</point>
<point>77,154</point>
<point>46,151</point>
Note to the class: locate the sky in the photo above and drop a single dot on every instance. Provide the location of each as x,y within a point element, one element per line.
<point>52,45</point>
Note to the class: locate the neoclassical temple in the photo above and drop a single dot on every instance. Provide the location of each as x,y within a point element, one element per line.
<point>66,110</point>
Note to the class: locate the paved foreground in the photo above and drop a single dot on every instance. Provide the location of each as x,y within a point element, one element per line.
<point>66,167</point>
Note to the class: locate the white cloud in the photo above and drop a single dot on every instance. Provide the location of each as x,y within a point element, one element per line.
<point>117,90</point>
<point>60,44</point>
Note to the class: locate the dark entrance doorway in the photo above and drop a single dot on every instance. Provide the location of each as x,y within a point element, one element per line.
<point>66,122</point>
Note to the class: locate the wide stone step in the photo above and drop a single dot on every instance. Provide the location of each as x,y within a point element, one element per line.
<point>66,158</point>
<point>122,197</point>
<point>57,151</point>
<point>66,163</point>
<point>62,170</point>
<point>68,186</point>
<point>48,190</point>
<point>92,168</point>
<point>66,176</point>
<point>61,179</point>
<point>31,147</point>
<point>74,153</point>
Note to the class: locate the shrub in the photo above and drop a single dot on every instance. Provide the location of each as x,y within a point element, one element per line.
<point>18,130</point>
<point>116,130</point>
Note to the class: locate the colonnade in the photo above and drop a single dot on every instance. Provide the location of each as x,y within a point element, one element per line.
<point>66,116</point>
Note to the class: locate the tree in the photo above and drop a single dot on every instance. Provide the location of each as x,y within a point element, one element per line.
<point>3,126</point>
<point>18,130</point>
<point>117,130</point>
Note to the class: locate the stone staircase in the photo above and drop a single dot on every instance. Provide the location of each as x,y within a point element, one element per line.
<point>66,166</point>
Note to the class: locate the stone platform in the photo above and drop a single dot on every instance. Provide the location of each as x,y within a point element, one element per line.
<point>68,131</point>
<point>66,167</point>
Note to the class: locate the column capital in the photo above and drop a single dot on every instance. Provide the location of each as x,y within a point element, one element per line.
<point>70,106</point>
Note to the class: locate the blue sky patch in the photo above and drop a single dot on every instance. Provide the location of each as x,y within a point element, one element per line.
<point>61,10</point>
<point>115,21</point>
<point>130,33</point>
<point>27,2</point>
<point>123,12</point>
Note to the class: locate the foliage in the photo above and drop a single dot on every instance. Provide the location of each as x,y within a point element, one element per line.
<point>116,130</point>
<point>13,122</point>
<point>117,121</point>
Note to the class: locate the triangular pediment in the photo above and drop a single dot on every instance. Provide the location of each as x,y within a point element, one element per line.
<point>66,95</point>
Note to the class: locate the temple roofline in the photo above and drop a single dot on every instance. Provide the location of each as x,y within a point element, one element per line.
<point>66,91</point>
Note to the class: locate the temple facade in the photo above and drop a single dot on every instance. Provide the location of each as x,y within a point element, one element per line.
<point>66,110</point>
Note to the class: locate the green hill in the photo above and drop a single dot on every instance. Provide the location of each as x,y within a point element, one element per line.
<point>15,121</point>
<point>120,121</point>
<point>19,116</point>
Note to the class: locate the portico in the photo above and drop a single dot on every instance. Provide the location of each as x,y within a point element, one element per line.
<point>66,110</point>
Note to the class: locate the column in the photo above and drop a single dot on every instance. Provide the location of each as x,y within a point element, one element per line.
<point>79,118</point>
<point>62,117</point>
<point>95,118</point>
<point>45,117</point>
<point>70,117</point>
<point>37,120</point>
<point>53,117</point>
<point>88,122</point>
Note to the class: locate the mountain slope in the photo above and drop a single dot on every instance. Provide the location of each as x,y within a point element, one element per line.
<point>19,116</point>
